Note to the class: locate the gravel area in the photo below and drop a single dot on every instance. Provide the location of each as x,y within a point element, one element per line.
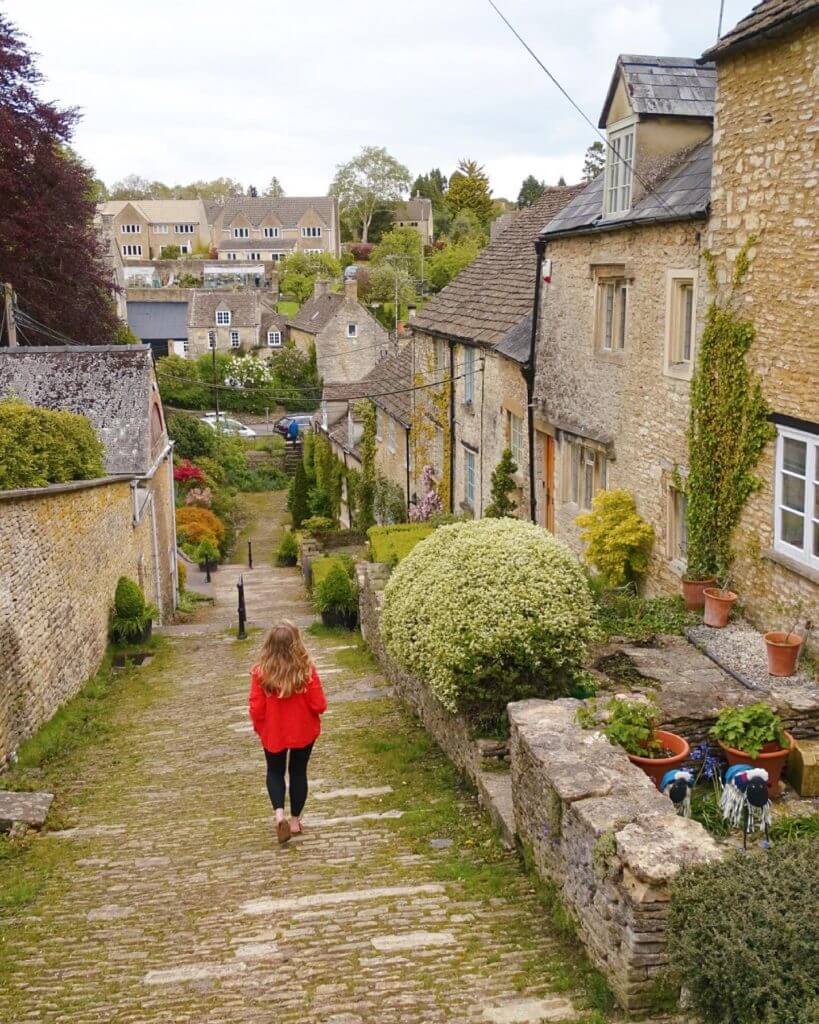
<point>740,647</point>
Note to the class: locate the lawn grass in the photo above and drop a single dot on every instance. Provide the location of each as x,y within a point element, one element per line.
<point>287,307</point>
<point>392,543</point>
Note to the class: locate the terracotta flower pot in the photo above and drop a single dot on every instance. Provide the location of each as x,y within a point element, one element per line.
<point>694,592</point>
<point>772,759</point>
<point>783,650</point>
<point>718,605</point>
<point>656,767</point>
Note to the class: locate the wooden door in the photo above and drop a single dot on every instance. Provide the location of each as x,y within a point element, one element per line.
<point>547,514</point>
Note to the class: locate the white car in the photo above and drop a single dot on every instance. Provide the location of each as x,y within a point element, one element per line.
<point>228,426</point>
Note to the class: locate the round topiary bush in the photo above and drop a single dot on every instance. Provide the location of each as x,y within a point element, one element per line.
<point>129,601</point>
<point>487,612</point>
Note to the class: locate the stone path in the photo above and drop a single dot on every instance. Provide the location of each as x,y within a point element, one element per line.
<point>169,901</point>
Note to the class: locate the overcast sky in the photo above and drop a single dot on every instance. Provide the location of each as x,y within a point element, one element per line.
<point>178,91</point>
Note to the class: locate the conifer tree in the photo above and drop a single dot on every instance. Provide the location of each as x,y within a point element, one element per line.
<point>299,510</point>
<point>502,485</point>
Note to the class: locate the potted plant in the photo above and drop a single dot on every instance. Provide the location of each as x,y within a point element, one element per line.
<point>719,601</point>
<point>754,735</point>
<point>694,584</point>
<point>132,618</point>
<point>633,725</point>
<point>287,553</point>
<point>783,648</point>
<point>207,555</point>
<point>336,598</point>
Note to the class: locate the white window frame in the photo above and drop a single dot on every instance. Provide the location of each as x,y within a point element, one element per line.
<point>184,229</point>
<point>270,232</point>
<point>611,315</point>
<point>130,229</point>
<point>677,526</point>
<point>619,172</point>
<point>514,435</point>
<point>469,375</point>
<point>241,232</point>
<point>469,478</point>
<point>184,248</point>
<point>676,363</point>
<point>352,330</point>
<point>235,341</point>
<point>132,249</point>
<point>804,555</point>
<point>223,317</point>
<point>313,251</point>
<point>232,256</point>
<point>254,257</point>
<point>159,229</point>
<point>582,463</point>
<point>211,340</point>
<point>274,339</point>
<point>186,346</point>
<point>311,232</point>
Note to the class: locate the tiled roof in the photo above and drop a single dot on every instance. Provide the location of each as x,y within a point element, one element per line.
<point>160,211</point>
<point>416,208</point>
<point>317,312</point>
<point>262,244</point>
<point>204,303</point>
<point>517,342</point>
<point>393,373</point>
<point>338,430</point>
<point>769,18</point>
<point>668,86</point>
<point>111,385</point>
<point>683,194</point>
<point>272,321</point>
<point>288,210</point>
<point>496,291</point>
<point>161,321</point>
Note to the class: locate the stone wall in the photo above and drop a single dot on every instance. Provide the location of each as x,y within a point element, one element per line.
<point>62,549</point>
<point>597,828</point>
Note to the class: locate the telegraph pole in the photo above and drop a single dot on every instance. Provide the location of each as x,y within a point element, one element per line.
<point>11,323</point>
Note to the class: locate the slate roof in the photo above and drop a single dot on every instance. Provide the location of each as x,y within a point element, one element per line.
<point>288,210</point>
<point>495,292</point>
<point>242,306</point>
<point>226,244</point>
<point>664,86</point>
<point>317,312</point>
<point>272,321</point>
<point>392,373</point>
<point>768,19</point>
<point>416,208</point>
<point>517,341</point>
<point>162,321</point>
<point>110,384</point>
<point>683,194</point>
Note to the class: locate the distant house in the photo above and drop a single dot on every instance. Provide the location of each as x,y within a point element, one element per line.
<point>416,213</point>
<point>141,228</point>
<point>265,229</point>
<point>348,339</point>
<point>232,322</point>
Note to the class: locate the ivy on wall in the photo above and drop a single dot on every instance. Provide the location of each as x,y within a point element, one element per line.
<point>431,407</point>
<point>365,499</point>
<point>727,431</point>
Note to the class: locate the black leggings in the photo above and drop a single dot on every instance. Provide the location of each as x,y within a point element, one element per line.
<point>297,770</point>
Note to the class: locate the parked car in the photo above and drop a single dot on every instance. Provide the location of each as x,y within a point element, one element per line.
<point>227,425</point>
<point>303,419</point>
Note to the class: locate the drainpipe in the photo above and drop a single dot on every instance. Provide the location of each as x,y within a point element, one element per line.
<point>174,567</point>
<point>451,426</point>
<point>407,450</point>
<point>529,372</point>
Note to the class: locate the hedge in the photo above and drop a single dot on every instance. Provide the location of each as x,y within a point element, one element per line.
<point>744,936</point>
<point>392,543</point>
<point>320,567</point>
<point>43,446</point>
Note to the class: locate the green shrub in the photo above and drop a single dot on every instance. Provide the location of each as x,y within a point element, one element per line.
<point>618,541</point>
<point>297,496</point>
<point>503,484</point>
<point>287,552</point>
<point>749,728</point>
<point>743,937</point>
<point>336,592</point>
<point>487,612</point>
<point>181,575</point>
<point>206,552</point>
<point>131,614</point>
<point>180,383</point>
<point>193,439</point>
<point>641,618</point>
<point>318,524</point>
<point>321,567</point>
<point>632,724</point>
<point>389,503</point>
<point>39,447</point>
<point>392,543</point>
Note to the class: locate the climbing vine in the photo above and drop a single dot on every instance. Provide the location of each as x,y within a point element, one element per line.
<point>365,498</point>
<point>431,407</point>
<point>727,431</point>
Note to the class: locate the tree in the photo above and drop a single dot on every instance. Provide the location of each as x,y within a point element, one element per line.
<point>381,284</point>
<point>132,187</point>
<point>61,274</point>
<point>300,270</point>
<point>445,265</point>
<point>297,499</point>
<point>252,192</point>
<point>368,182</point>
<point>403,243</point>
<point>595,161</point>
<point>469,190</point>
<point>465,227</point>
<point>431,186</point>
<point>274,190</point>
<point>530,191</point>
<point>503,485</point>
<point>561,182</point>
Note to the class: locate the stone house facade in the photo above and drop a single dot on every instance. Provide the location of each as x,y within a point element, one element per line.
<point>765,185</point>
<point>618,315</point>
<point>347,338</point>
<point>266,229</point>
<point>140,229</point>
<point>416,213</point>
<point>233,321</point>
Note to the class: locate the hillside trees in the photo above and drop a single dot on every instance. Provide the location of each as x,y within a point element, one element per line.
<point>370,181</point>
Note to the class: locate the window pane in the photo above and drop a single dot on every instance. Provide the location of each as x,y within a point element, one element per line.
<point>607,330</point>
<point>588,484</point>
<point>793,492</point>
<point>793,528</point>
<point>574,455</point>
<point>816,540</point>
<point>687,318</point>
<point>621,333</point>
<point>794,455</point>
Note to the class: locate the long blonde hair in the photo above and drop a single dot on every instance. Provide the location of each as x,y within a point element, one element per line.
<point>284,666</point>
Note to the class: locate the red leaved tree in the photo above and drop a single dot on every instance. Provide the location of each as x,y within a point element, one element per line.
<point>49,248</point>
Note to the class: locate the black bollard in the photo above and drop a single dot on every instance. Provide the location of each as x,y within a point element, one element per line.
<point>240,586</point>
<point>249,555</point>
<point>207,571</point>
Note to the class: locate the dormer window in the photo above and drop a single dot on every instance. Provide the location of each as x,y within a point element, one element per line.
<point>311,232</point>
<point>270,232</point>
<point>241,232</point>
<point>223,317</point>
<point>619,159</point>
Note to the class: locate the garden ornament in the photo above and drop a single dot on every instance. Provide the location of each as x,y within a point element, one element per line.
<point>745,800</point>
<point>677,785</point>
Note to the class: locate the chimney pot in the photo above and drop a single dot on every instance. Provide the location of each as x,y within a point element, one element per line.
<point>321,287</point>
<point>351,289</point>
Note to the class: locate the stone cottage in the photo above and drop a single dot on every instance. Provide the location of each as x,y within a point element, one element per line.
<point>233,321</point>
<point>478,330</point>
<point>63,547</point>
<point>347,338</point>
<point>764,184</point>
<point>618,317</point>
<point>416,213</point>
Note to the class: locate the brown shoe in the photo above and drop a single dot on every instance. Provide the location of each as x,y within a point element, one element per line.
<point>283,831</point>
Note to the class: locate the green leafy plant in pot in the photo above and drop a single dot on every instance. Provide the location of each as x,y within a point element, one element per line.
<point>132,618</point>
<point>754,735</point>
<point>336,598</point>
<point>633,725</point>
<point>207,555</point>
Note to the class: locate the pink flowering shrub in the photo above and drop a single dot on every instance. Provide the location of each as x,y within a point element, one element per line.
<point>201,497</point>
<point>430,505</point>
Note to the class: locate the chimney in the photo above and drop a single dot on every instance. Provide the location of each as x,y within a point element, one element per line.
<point>321,287</point>
<point>351,289</point>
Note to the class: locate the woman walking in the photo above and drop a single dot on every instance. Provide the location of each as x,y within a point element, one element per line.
<point>286,700</point>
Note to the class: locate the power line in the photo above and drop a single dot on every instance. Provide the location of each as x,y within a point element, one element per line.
<point>576,106</point>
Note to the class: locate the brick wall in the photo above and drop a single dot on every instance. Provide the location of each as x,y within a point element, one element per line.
<point>62,550</point>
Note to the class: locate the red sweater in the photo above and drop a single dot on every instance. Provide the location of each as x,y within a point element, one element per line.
<point>283,722</point>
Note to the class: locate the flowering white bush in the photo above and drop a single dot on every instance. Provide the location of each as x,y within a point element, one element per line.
<point>487,612</point>
<point>247,371</point>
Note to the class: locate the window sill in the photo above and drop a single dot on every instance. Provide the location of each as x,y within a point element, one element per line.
<point>606,356</point>
<point>795,566</point>
<point>679,371</point>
